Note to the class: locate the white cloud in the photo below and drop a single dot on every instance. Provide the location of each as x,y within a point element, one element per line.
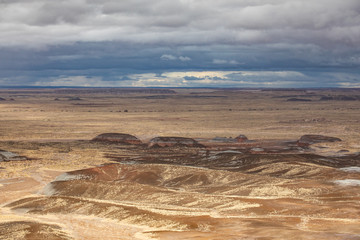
<point>167,57</point>
<point>228,62</point>
<point>184,59</point>
<point>349,84</point>
<point>199,75</point>
<point>66,57</point>
<point>73,81</point>
<point>153,80</point>
<point>215,79</point>
<point>198,79</point>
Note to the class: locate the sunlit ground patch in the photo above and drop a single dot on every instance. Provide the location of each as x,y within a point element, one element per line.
<point>350,169</point>
<point>348,182</point>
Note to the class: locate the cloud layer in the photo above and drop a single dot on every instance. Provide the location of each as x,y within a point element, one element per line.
<point>37,23</point>
<point>112,40</point>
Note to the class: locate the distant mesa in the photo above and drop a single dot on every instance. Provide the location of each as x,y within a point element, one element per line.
<point>340,98</point>
<point>308,120</point>
<point>241,138</point>
<point>10,156</point>
<point>117,138</point>
<point>326,98</point>
<point>173,142</point>
<point>298,100</point>
<point>307,140</point>
<point>74,99</point>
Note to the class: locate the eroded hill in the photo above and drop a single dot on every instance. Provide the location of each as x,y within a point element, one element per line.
<point>249,189</point>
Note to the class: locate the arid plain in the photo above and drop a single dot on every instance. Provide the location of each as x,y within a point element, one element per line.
<point>252,164</point>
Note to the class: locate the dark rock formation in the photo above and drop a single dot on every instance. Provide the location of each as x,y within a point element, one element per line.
<point>2,99</point>
<point>117,138</point>
<point>307,120</point>
<point>340,98</point>
<point>173,142</point>
<point>298,100</point>
<point>9,156</point>
<point>223,140</point>
<point>75,99</point>
<point>307,140</point>
<point>241,138</point>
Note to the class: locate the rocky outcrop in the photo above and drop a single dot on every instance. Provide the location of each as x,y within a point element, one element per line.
<point>121,138</point>
<point>223,140</point>
<point>340,98</point>
<point>173,142</point>
<point>307,140</point>
<point>9,156</point>
<point>241,138</point>
<point>298,100</point>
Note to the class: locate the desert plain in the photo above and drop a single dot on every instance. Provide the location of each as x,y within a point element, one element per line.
<point>205,163</point>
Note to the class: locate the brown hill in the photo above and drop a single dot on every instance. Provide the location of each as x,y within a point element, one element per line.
<point>173,142</point>
<point>117,138</point>
<point>307,140</point>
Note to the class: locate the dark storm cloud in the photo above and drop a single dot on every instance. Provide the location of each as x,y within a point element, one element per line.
<point>320,22</point>
<point>98,40</point>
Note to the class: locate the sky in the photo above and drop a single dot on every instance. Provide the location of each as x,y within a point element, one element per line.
<point>180,43</point>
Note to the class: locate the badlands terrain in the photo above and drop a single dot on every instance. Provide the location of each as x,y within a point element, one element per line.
<point>179,164</point>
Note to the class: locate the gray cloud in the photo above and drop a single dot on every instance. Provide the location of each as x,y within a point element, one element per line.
<point>40,22</point>
<point>108,40</point>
